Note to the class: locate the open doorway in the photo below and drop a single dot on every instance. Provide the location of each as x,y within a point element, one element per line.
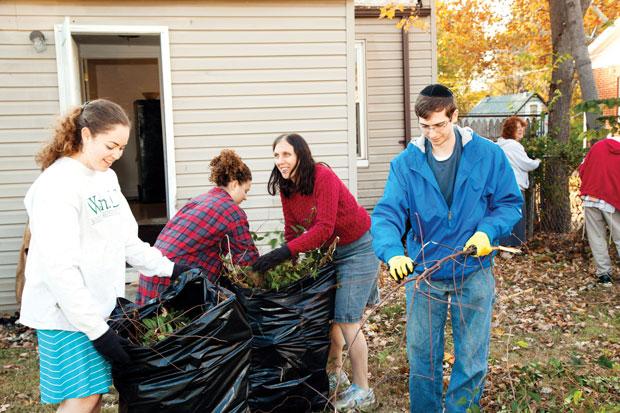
<point>126,69</point>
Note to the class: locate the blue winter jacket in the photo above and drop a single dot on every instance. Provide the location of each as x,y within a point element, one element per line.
<point>486,198</point>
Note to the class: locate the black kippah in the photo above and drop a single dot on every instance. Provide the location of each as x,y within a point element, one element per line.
<point>436,90</point>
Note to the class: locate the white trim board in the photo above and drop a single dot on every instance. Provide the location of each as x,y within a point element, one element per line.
<point>362,94</point>
<point>351,122</point>
<point>69,82</point>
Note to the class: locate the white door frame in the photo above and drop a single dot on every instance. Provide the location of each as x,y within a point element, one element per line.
<point>69,83</point>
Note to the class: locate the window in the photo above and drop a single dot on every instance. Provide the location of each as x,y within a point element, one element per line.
<point>533,109</point>
<point>360,103</point>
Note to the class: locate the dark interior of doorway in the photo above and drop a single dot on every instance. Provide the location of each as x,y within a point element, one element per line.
<point>141,171</point>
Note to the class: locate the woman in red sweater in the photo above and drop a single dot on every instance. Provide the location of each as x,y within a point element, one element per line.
<point>315,198</point>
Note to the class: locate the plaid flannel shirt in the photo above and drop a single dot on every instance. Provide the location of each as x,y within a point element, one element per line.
<point>198,235</point>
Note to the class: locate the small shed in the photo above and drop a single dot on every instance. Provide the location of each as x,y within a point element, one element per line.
<point>487,117</point>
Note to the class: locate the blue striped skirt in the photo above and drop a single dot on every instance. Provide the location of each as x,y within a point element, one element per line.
<point>70,367</point>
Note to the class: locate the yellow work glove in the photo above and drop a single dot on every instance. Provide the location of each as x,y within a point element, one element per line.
<point>480,240</point>
<point>400,267</point>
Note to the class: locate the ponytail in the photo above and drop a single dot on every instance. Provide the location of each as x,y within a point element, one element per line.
<point>99,116</point>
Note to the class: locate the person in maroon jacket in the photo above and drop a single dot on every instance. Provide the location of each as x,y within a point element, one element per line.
<point>600,190</point>
<point>313,197</point>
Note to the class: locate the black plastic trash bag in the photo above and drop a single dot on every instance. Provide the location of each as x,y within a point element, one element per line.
<point>200,368</point>
<point>291,343</point>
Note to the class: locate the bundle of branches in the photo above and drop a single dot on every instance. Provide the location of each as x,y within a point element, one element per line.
<point>162,324</point>
<point>283,274</point>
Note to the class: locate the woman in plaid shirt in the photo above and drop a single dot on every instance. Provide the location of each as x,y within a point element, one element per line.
<point>208,226</point>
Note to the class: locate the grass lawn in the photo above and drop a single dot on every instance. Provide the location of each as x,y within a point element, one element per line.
<point>555,344</point>
<point>19,383</point>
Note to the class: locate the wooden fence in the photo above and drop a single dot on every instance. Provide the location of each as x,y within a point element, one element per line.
<point>490,126</point>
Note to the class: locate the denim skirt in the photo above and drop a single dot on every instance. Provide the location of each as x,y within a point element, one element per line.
<point>357,268</point>
<point>70,367</point>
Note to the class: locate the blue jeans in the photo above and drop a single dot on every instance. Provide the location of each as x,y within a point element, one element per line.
<point>471,304</point>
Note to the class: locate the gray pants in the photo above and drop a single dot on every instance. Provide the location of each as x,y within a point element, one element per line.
<point>597,223</point>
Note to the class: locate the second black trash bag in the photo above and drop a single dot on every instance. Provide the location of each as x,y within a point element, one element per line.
<point>291,343</point>
<point>201,367</point>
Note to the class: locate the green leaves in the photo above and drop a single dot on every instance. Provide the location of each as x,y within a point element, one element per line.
<point>594,106</point>
<point>603,361</point>
<point>275,238</point>
<point>598,106</point>
<point>544,147</point>
<point>288,272</point>
<point>522,344</point>
<point>162,325</point>
<point>575,398</point>
<point>473,409</point>
<point>282,275</point>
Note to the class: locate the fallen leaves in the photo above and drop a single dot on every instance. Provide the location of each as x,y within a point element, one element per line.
<point>553,330</point>
<point>548,306</point>
<point>552,306</point>
<point>14,335</point>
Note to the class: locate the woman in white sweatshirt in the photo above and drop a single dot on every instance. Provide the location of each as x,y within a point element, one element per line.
<point>512,133</point>
<point>83,232</point>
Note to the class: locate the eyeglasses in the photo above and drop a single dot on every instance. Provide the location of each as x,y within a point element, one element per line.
<point>440,125</point>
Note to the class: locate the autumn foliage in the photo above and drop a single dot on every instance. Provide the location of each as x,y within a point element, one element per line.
<point>488,47</point>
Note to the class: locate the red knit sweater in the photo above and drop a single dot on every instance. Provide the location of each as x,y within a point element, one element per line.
<point>330,211</point>
<point>600,172</point>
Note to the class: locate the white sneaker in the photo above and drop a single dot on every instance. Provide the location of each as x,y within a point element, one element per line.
<point>355,398</point>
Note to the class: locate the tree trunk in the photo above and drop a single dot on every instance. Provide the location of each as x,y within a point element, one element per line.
<point>580,53</point>
<point>554,199</point>
<point>561,88</point>
<point>555,202</point>
<point>555,212</point>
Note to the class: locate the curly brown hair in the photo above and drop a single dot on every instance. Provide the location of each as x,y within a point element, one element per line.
<point>509,129</point>
<point>227,167</point>
<point>99,116</point>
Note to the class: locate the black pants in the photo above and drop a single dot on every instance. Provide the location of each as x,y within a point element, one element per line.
<point>518,234</point>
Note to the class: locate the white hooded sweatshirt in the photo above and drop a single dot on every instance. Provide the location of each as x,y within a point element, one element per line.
<point>519,161</point>
<point>83,232</point>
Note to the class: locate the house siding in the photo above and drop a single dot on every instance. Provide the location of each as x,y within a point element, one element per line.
<point>384,92</point>
<point>242,73</point>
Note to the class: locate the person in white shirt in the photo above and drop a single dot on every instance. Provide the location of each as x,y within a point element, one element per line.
<point>83,233</point>
<point>510,142</point>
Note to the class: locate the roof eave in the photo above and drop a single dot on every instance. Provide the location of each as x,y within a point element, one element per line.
<point>375,11</point>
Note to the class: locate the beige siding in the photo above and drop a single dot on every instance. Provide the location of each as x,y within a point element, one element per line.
<point>385,104</point>
<point>422,68</point>
<point>28,101</point>
<point>242,73</point>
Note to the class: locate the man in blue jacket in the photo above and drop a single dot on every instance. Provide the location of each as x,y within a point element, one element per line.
<point>457,190</point>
